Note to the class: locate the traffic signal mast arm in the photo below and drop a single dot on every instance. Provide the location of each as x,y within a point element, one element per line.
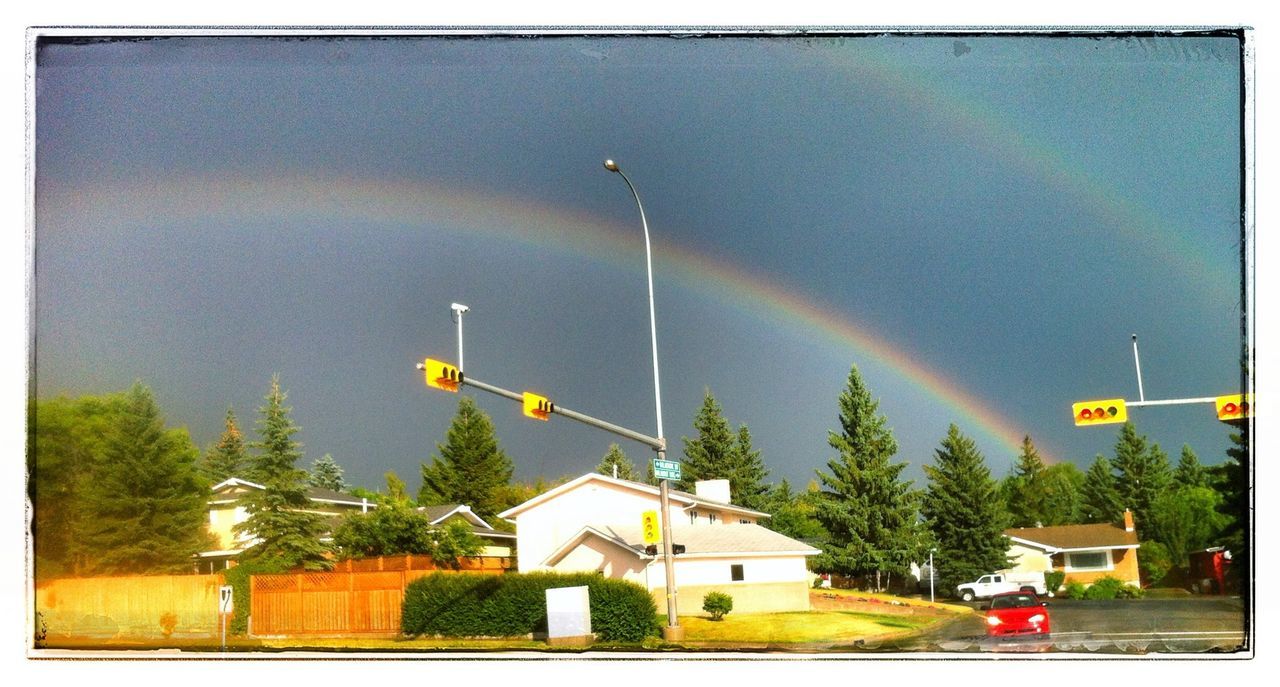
<point>649,441</point>
<point>1170,402</point>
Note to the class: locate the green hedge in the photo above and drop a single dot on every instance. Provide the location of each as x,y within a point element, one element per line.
<point>511,605</point>
<point>1105,588</point>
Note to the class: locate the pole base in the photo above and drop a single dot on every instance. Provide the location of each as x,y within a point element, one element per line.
<point>673,634</point>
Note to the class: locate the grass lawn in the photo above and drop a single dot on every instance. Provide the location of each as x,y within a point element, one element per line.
<point>812,627</point>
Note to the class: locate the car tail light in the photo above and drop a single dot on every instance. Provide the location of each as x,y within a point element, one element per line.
<point>993,620</point>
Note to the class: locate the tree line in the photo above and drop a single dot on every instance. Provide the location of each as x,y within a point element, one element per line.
<point>115,492</point>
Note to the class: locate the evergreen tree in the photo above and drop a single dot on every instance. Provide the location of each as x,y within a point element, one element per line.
<point>1233,485</point>
<point>1063,485</point>
<point>746,479</point>
<point>1099,500</point>
<point>1025,491</point>
<point>709,455</point>
<point>326,474</point>
<point>286,536</point>
<point>615,458</point>
<point>964,513</point>
<point>397,490</point>
<point>867,511</point>
<point>471,469</point>
<point>1189,472</point>
<point>1142,475</point>
<point>793,514</point>
<point>227,458</point>
<point>147,501</point>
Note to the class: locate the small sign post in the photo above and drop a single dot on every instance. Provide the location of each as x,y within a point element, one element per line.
<point>666,469</point>
<point>226,605</point>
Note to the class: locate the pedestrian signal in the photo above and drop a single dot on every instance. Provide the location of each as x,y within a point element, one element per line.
<point>442,375</point>
<point>1107,412</point>
<point>1234,407</point>
<point>538,407</point>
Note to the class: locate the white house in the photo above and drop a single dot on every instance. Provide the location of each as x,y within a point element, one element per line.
<point>593,523</point>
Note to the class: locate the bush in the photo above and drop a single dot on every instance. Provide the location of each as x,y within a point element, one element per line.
<point>1053,581</point>
<point>511,605</point>
<point>1105,588</point>
<point>1074,590</point>
<point>1130,591</point>
<point>717,604</point>
<point>238,578</point>
<point>1154,563</point>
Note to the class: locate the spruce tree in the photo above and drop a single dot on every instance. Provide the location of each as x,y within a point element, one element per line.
<point>471,469</point>
<point>710,454</point>
<point>326,474</point>
<point>866,510</point>
<point>1062,485</point>
<point>1142,475</point>
<point>1025,490</point>
<point>747,473</point>
<point>227,458</point>
<point>615,458</point>
<point>963,511</point>
<point>286,535</point>
<point>1099,500</point>
<point>147,501</point>
<point>1189,473</point>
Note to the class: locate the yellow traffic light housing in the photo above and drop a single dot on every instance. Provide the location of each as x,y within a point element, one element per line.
<point>1110,411</point>
<point>538,407</point>
<point>650,528</point>
<point>442,375</point>
<point>1233,407</point>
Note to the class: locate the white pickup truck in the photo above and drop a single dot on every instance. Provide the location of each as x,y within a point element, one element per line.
<point>996,583</point>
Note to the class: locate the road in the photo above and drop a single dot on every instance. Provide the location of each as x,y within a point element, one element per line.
<point>1185,625</point>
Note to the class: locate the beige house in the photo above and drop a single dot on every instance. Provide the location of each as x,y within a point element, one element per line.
<point>1086,553</point>
<point>496,543</point>
<point>593,523</point>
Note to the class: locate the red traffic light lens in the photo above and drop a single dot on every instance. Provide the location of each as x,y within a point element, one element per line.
<point>1086,414</point>
<point>1230,409</point>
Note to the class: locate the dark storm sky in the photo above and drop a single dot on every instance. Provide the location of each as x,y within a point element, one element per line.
<point>1003,211</point>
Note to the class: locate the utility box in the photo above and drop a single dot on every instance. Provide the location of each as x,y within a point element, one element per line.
<point>569,617</point>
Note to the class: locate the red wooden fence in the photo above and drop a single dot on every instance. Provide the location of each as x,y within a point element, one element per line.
<point>357,598</point>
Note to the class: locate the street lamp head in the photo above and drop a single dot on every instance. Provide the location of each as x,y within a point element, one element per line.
<point>611,165</point>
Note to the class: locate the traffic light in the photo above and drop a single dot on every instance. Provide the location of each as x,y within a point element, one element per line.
<point>442,375</point>
<point>650,528</point>
<point>1234,407</point>
<point>538,407</point>
<point>1106,412</point>
<point>676,549</point>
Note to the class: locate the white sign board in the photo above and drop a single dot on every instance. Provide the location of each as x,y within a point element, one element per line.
<point>226,603</point>
<point>568,612</point>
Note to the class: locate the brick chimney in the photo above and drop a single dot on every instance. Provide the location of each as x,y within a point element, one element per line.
<point>1128,520</point>
<point>713,490</point>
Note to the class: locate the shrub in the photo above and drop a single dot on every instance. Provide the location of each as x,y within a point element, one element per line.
<point>474,605</point>
<point>1130,591</point>
<point>717,604</point>
<point>238,578</point>
<point>1105,588</point>
<point>1074,590</point>
<point>1053,581</point>
<point>1154,562</point>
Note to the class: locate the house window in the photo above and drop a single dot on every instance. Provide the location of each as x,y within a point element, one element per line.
<point>711,518</point>
<point>743,521</point>
<point>693,517</point>
<point>1079,561</point>
<point>735,572</point>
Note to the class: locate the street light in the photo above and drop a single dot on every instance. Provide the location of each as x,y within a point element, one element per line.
<point>458,309</point>
<point>673,631</point>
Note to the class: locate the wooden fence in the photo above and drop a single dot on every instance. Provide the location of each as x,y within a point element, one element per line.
<point>357,598</point>
<point>136,606</point>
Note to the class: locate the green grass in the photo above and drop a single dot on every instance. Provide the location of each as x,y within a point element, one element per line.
<point>813,627</point>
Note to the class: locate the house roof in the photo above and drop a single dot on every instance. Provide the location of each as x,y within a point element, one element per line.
<point>683,497</point>
<point>437,514</point>
<point>1072,537</point>
<point>319,494</point>
<point>707,541</point>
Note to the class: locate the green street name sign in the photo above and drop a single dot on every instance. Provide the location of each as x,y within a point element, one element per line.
<point>666,469</point>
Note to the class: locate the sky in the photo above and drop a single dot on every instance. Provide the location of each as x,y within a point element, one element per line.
<point>978,222</point>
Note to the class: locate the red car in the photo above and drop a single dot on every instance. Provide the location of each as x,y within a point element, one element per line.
<point>1017,614</point>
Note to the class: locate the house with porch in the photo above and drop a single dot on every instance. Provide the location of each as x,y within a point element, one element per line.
<point>1086,553</point>
<point>594,523</point>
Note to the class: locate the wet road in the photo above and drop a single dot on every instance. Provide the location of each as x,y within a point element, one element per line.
<point>1185,626</point>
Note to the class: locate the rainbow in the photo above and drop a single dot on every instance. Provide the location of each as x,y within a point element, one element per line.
<point>989,129</point>
<point>505,219</point>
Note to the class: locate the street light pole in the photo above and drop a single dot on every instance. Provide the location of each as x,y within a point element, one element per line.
<point>458,309</point>
<point>673,631</point>
<point>931,575</point>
